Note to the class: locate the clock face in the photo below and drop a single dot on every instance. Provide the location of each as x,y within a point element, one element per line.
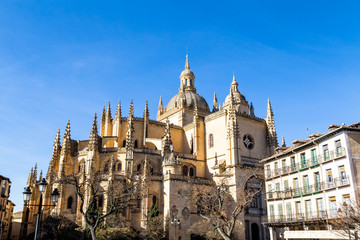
<point>248,141</point>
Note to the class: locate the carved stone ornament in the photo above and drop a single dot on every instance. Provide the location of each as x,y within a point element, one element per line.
<point>185,213</point>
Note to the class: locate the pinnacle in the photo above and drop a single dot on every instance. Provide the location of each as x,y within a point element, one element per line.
<point>146,110</point>
<point>118,110</point>
<point>283,144</point>
<point>103,115</point>
<point>131,109</point>
<point>108,112</point>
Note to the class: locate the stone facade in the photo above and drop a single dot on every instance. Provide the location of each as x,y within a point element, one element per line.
<point>6,207</point>
<point>188,144</point>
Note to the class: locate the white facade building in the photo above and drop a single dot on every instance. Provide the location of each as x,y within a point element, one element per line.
<point>308,182</point>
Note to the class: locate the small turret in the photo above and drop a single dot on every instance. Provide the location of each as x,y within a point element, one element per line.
<point>215,103</point>
<point>130,139</point>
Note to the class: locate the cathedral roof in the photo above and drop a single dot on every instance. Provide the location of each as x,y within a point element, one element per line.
<point>189,99</point>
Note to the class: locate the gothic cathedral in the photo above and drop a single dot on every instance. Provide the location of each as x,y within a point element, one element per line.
<point>188,144</point>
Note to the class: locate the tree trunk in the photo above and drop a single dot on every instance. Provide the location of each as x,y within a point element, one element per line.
<point>223,235</point>
<point>92,231</point>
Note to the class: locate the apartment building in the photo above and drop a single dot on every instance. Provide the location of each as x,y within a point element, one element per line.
<point>308,182</point>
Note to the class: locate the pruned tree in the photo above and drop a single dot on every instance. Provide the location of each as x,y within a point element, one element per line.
<point>216,205</point>
<point>100,196</point>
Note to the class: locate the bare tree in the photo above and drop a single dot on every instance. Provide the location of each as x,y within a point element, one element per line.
<point>347,222</point>
<point>217,207</point>
<point>100,196</point>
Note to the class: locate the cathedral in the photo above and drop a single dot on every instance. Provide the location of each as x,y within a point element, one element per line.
<point>188,144</point>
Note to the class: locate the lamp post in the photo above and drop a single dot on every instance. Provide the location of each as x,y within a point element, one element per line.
<point>176,223</point>
<point>27,195</point>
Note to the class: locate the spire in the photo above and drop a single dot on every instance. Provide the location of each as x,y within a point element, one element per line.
<point>35,172</point>
<point>283,144</point>
<point>55,154</point>
<point>131,109</point>
<point>108,113</point>
<point>187,65</point>
<point>269,113</point>
<point>146,110</point>
<point>94,138</point>
<point>160,107</point>
<point>118,111</point>
<point>271,127</point>
<point>215,103</point>
<point>252,113</point>
<point>66,140</point>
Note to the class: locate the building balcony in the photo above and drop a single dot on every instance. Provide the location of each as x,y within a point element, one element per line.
<point>305,164</point>
<point>307,190</point>
<point>301,217</point>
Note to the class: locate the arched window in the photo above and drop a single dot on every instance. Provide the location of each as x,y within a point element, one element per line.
<point>211,140</point>
<point>69,202</point>
<point>136,144</point>
<point>191,146</point>
<point>100,201</point>
<point>106,167</point>
<point>191,172</point>
<point>185,170</point>
<point>138,202</point>
<point>138,168</point>
<point>154,199</point>
<point>119,167</point>
<point>124,143</point>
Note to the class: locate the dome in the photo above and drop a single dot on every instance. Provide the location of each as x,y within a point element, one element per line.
<point>191,98</point>
<point>239,98</point>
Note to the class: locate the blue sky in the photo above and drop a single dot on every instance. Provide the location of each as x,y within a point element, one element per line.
<point>63,60</point>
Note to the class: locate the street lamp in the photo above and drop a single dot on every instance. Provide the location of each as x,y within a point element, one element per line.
<point>27,195</point>
<point>176,223</point>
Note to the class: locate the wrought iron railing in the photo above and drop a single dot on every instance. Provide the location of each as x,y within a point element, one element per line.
<point>305,163</point>
<point>308,189</point>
